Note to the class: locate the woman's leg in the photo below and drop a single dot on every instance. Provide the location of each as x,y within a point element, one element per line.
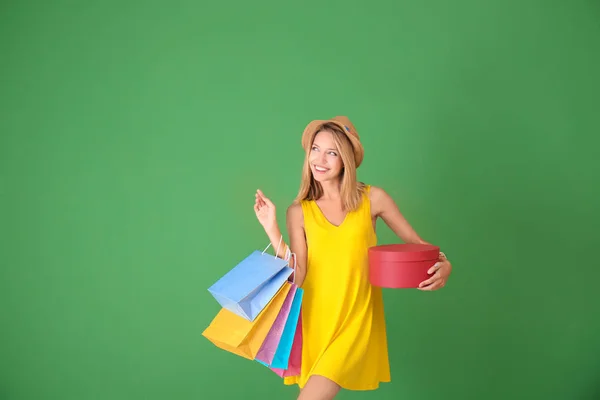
<point>319,388</point>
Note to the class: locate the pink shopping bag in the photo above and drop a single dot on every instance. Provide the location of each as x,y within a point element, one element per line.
<point>267,351</point>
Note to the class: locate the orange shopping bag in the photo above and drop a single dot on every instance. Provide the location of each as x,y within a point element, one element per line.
<point>240,336</point>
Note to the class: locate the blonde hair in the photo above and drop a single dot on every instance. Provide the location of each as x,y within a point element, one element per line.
<point>351,190</point>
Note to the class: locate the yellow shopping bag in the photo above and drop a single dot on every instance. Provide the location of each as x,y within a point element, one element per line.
<point>240,336</point>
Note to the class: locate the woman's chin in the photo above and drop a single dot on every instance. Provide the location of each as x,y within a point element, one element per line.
<point>321,177</point>
<point>317,178</point>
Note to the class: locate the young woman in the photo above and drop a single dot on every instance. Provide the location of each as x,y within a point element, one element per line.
<point>331,225</point>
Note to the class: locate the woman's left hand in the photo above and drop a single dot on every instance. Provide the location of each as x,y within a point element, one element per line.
<point>441,271</point>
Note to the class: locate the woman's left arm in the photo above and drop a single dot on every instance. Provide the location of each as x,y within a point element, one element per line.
<point>384,207</point>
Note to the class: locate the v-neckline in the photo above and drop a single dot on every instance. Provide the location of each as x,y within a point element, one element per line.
<point>327,219</point>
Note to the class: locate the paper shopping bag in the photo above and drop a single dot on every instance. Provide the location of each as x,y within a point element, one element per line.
<point>237,335</point>
<point>295,359</point>
<point>269,347</point>
<point>247,288</point>
<point>282,355</point>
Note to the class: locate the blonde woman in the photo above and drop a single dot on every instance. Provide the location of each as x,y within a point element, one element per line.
<point>331,225</point>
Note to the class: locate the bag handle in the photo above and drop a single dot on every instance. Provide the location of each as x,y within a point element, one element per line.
<point>269,245</point>
<point>295,262</point>
<point>288,255</point>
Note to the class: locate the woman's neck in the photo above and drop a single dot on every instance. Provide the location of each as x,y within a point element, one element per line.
<point>331,190</point>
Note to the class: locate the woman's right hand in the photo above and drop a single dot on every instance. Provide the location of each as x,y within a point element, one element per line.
<point>265,211</point>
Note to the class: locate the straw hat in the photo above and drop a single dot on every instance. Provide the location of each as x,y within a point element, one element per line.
<point>345,125</point>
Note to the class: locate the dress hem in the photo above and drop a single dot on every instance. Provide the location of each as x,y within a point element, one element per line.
<point>337,382</point>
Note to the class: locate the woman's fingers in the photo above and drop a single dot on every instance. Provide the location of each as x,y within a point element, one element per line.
<point>264,198</point>
<point>431,287</point>
<point>435,267</point>
<point>429,283</point>
<point>433,283</point>
<point>259,201</point>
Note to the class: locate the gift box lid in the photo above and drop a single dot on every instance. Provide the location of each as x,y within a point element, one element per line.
<point>404,252</point>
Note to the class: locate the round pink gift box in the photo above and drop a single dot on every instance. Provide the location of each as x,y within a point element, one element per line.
<point>401,265</point>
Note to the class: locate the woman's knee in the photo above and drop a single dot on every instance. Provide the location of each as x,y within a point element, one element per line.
<point>319,388</point>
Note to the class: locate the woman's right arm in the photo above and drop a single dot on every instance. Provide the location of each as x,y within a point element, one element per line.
<point>266,214</point>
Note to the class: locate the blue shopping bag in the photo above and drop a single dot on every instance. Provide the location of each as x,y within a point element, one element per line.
<point>247,288</point>
<point>284,348</point>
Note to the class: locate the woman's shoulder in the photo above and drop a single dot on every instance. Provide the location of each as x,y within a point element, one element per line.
<point>295,207</point>
<point>378,198</point>
<point>373,190</point>
<point>294,212</point>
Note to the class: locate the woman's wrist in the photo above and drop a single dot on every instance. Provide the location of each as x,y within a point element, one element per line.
<point>276,238</point>
<point>274,233</point>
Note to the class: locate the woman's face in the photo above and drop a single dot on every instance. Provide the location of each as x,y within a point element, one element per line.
<point>324,158</point>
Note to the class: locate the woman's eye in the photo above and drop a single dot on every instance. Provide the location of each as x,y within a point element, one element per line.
<point>333,154</point>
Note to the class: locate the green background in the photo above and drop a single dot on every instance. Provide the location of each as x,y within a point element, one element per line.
<point>134,135</point>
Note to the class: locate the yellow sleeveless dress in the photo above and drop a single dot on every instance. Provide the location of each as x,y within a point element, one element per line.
<point>343,325</point>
